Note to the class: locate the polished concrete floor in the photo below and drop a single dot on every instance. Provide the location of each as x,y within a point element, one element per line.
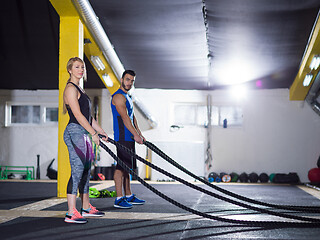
<point>30,210</point>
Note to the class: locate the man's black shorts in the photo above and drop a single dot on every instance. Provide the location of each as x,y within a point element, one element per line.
<point>126,157</point>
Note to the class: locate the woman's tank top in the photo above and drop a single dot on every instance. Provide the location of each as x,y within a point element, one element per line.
<point>85,107</point>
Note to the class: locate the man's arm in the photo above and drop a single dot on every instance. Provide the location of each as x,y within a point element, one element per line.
<point>120,102</point>
<point>135,122</point>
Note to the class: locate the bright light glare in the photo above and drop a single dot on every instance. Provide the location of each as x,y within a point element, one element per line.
<point>239,92</point>
<point>307,80</point>
<point>107,80</point>
<point>235,72</point>
<point>315,63</point>
<point>97,63</point>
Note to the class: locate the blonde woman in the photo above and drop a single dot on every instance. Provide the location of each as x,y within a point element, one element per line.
<point>76,136</point>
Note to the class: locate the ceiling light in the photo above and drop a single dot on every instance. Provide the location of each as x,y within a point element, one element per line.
<point>315,62</point>
<point>97,63</point>
<point>242,71</point>
<point>107,80</point>
<point>307,80</point>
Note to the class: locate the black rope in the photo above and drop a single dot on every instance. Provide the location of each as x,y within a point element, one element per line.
<point>312,209</point>
<point>311,222</point>
<point>208,192</point>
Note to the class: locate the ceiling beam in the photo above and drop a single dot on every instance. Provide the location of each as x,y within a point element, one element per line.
<point>66,9</point>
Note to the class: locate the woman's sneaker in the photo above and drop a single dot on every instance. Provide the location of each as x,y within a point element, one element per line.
<point>75,217</point>
<point>134,200</point>
<point>122,203</point>
<point>91,212</point>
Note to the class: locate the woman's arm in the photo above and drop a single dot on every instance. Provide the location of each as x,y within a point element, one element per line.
<point>98,128</point>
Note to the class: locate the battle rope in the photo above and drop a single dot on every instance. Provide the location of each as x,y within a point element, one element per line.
<point>312,222</point>
<point>208,192</point>
<point>312,209</point>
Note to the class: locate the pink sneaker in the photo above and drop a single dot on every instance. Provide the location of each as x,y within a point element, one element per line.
<point>91,212</point>
<point>75,217</point>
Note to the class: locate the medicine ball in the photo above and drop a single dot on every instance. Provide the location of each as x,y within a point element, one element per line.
<point>213,175</point>
<point>263,177</point>
<point>314,175</point>
<point>271,177</point>
<point>234,177</point>
<point>226,178</point>
<point>211,179</point>
<point>222,174</point>
<point>218,179</point>
<point>253,177</point>
<point>243,177</point>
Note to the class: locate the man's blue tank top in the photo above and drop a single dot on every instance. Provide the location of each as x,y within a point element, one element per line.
<point>121,133</point>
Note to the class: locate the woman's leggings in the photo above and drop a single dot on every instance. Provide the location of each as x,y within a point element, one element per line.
<point>80,155</point>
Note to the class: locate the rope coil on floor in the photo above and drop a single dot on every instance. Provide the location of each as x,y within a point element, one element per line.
<point>311,209</point>
<point>310,222</point>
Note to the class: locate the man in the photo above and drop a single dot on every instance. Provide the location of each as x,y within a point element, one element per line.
<point>126,132</point>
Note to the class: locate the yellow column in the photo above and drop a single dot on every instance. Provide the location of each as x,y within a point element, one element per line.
<point>297,90</point>
<point>71,45</point>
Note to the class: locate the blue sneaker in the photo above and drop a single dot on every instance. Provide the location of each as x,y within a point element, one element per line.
<point>122,203</point>
<point>134,200</point>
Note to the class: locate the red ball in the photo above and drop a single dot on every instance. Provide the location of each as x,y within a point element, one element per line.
<point>314,175</point>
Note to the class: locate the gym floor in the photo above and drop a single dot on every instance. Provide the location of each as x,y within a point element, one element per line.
<point>30,210</point>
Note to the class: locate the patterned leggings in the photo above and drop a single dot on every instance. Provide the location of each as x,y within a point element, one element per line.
<point>80,155</point>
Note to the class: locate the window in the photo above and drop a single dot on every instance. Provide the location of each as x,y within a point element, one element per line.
<point>25,114</point>
<point>51,114</point>
<point>203,115</point>
<point>30,114</point>
<point>232,114</point>
<point>197,115</point>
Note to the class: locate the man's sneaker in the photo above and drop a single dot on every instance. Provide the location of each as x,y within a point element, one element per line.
<point>122,203</point>
<point>134,200</point>
<point>75,217</point>
<point>91,212</point>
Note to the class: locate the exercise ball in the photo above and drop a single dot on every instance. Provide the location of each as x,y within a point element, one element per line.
<point>271,177</point>
<point>218,179</point>
<point>234,177</point>
<point>213,175</point>
<point>211,179</point>
<point>222,174</point>
<point>243,177</point>
<point>263,177</point>
<point>253,177</point>
<point>314,175</point>
<point>226,178</point>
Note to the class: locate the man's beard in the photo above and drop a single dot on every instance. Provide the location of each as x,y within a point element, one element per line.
<point>124,87</point>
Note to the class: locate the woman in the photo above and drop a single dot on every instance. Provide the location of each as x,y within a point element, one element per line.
<point>76,137</point>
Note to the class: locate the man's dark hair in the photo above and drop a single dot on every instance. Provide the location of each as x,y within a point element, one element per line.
<point>130,72</point>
